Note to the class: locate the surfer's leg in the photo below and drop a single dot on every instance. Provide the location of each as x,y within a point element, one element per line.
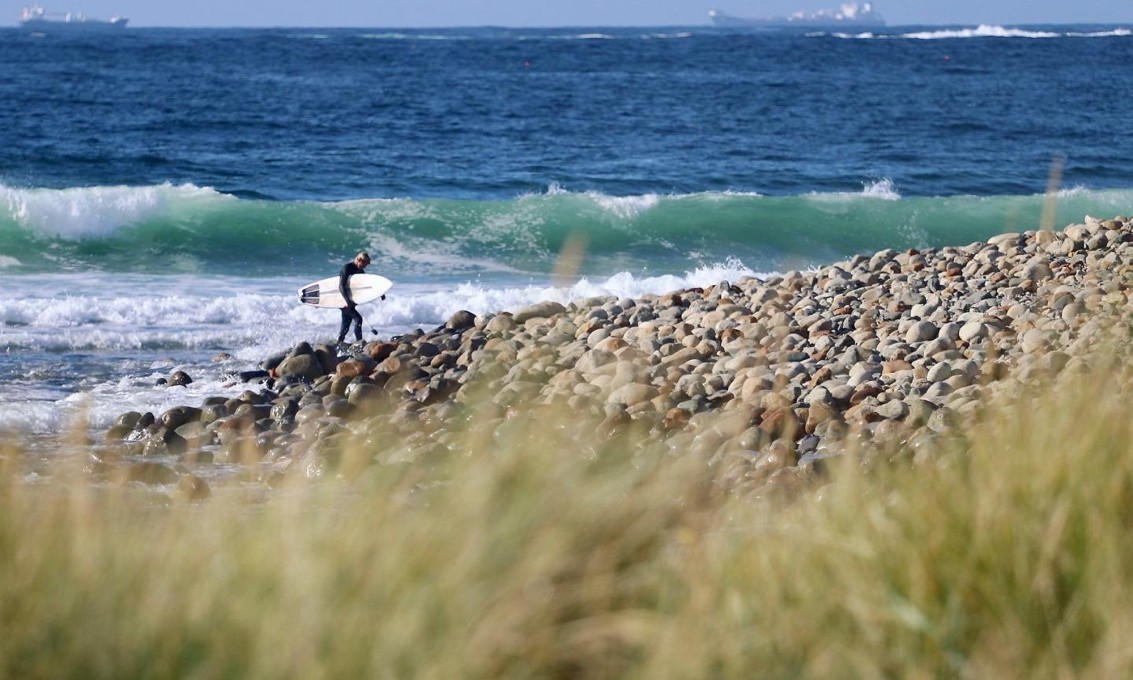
<point>347,317</point>
<point>357,326</point>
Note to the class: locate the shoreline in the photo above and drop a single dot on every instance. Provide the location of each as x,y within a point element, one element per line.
<point>767,377</point>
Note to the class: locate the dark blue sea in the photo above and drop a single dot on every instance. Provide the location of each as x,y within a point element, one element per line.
<point>165,192</point>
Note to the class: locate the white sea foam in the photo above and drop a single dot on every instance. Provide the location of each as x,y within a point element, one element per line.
<point>412,36</point>
<point>84,212</point>
<point>631,206</point>
<point>130,315</point>
<point>626,207</point>
<point>137,311</point>
<point>100,406</point>
<point>883,189</point>
<point>981,31</point>
<point>730,193</point>
<point>1115,33</point>
<point>481,299</point>
<point>28,415</point>
<point>584,36</point>
<point>1077,190</point>
<point>622,206</point>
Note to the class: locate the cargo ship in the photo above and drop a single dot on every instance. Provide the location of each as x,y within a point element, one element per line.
<point>38,20</point>
<point>849,15</point>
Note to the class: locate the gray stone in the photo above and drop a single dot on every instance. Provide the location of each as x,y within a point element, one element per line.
<point>541,310</point>
<point>632,394</point>
<point>179,378</point>
<point>500,323</point>
<point>921,331</point>
<point>594,360</point>
<point>973,331</point>
<point>1035,340</point>
<point>940,372</point>
<point>303,366</point>
<point>460,321</point>
<point>178,416</point>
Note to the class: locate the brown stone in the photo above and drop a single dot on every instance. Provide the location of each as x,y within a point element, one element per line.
<point>351,368</point>
<point>820,376</point>
<point>819,413</point>
<point>864,392</point>
<point>380,351</point>
<point>781,422</point>
<point>390,366</point>
<point>675,419</point>
<point>895,366</point>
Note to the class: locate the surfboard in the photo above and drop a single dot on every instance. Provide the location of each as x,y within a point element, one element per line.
<point>363,288</point>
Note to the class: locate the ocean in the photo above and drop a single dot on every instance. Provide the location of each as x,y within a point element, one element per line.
<point>165,192</point>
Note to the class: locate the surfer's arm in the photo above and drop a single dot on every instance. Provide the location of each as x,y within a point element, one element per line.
<point>344,285</point>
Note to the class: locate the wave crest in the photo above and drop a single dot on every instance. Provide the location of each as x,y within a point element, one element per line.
<point>85,212</point>
<point>983,31</point>
<point>189,230</point>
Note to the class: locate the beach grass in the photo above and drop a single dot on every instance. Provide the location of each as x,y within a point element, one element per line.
<point>1003,551</point>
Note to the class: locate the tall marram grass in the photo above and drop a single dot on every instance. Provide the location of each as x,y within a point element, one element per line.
<point>1006,553</point>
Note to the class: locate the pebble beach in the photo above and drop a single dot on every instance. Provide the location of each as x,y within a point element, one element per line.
<point>765,378</point>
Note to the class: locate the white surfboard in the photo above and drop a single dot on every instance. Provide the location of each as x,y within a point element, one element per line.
<point>363,288</point>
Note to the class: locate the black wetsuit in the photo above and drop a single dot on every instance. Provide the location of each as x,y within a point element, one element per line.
<point>350,311</point>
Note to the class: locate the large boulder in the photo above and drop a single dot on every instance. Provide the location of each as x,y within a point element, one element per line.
<point>460,321</point>
<point>178,416</point>
<point>305,366</point>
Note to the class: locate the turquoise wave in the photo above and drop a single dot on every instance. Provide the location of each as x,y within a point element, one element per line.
<point>186,229</point>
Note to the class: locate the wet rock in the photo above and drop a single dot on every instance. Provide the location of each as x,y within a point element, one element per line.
<point>213,412</point>
<point>178,416</point>
<point>179,378</point>
<point>272,362</point>
<point>303,366</point>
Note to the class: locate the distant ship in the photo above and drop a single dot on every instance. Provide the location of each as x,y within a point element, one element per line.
<point>36,19</point>
<point>851,14</point>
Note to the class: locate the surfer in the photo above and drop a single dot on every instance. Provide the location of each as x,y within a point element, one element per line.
<point>350,311</point>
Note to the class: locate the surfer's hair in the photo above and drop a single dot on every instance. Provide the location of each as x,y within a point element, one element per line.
<point>364,256</point>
